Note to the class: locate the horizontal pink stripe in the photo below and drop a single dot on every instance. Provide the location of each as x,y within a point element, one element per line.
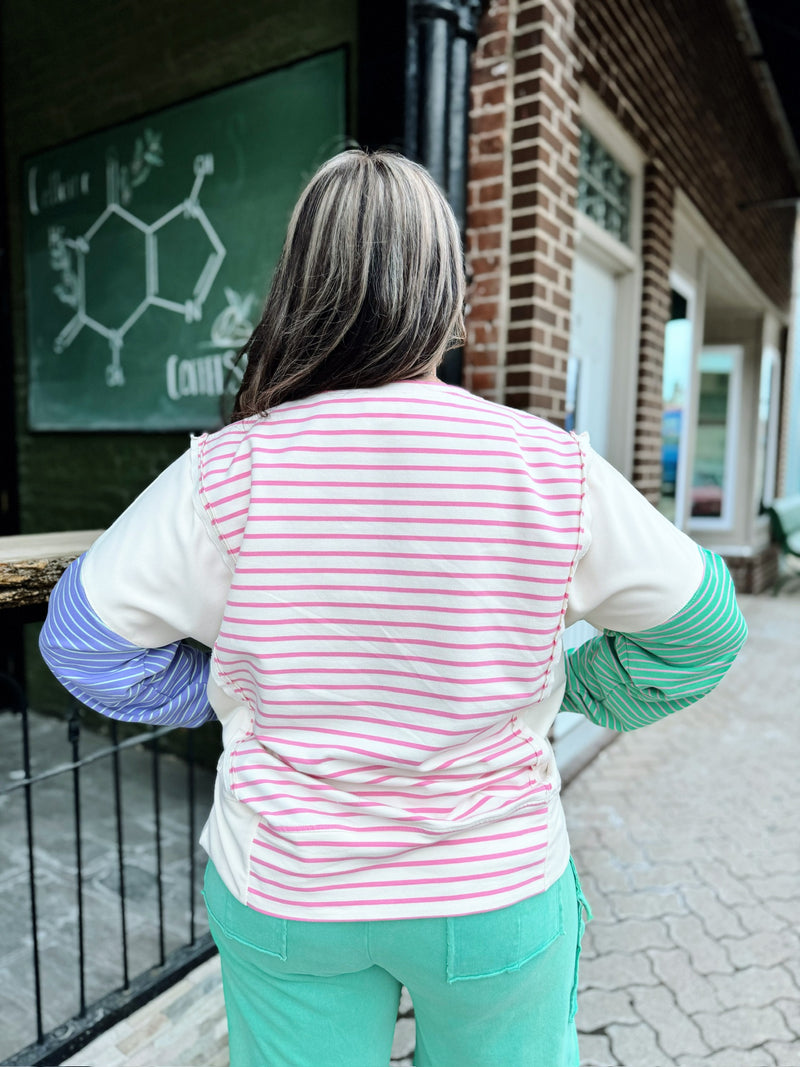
<point>458,400</point>
<point>217,520</point>
<point>270,720</point>
<point>475,895</point>
<point>495,783</point>
<point>437,782</point>
<point>499,747</point>
<point>541,458</point>
<point>354,413</point>
<point>272,603</point>
<point>382,672</point>
<point>512,491</point>
<point>246,617</point>
<point>400,829</point>
<point>385,501</point>
<point>219,502</point>
<point>307,857</point>
<point>409,573</point>
<point>441,557</point>
<point>310,886</point>
<point>395,624</point>
<point>332,535</point>
<point>455,397</point>
<point>352,657</point>
<point>335,751</point>
<point>488,716</point>
<point>356,809</point>
<point>365,809</point>
<point>418,520</point>
<point>401,863</point>
<point>372,607</point>
<point>493,751</point>
<point>354,448</point>
<point>520,471</point>
<point>368,688</point>
<point>273,720</point>
<point>411,709</point>
<point>266,739</point>
<point>422,434</point>
<point>378,638</point>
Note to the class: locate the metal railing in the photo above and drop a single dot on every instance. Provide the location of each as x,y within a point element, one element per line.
<point>102,873</point>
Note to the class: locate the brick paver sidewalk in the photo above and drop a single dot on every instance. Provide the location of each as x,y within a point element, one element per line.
<point>686,836</point>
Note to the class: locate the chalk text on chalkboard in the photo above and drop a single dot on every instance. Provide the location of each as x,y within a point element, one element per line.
<point>56,191</point>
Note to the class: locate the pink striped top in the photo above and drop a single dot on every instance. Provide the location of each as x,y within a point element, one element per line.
<point>401,562</point>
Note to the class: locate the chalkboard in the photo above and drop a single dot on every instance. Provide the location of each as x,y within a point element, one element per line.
<point>149,248</point>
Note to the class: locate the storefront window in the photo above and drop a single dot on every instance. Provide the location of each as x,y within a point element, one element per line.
<point>767,448</point>
<point>717,408</point>
<point>675,398</point>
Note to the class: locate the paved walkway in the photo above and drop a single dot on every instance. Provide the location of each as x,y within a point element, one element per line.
<point>686,835</point>
<point>689,839</point>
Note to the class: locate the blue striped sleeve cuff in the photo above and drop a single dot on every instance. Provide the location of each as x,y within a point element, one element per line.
<point>625,681</point>
<point>157,686</point>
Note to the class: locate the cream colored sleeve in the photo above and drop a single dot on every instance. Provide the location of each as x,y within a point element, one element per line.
<point>639,570</point>
<point>157,575</point>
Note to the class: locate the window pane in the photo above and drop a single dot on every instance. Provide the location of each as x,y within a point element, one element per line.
<point>677,368</point>
<point>604,188</point>
<point>711,443</point>
<point>767,427</point>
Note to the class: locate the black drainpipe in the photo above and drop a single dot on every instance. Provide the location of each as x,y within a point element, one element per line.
<point>441,35</point>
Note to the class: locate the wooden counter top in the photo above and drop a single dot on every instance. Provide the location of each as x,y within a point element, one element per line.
<point>31,564</point>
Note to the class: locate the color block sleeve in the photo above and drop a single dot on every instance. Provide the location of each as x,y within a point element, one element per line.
<point>157,574</point>
<point>627,680</point>
<point>164,686</point>
<point>638,569</point>
<point>117,619</point>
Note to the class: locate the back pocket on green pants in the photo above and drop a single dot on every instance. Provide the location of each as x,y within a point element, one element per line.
<point>493,942</point>
<point>235,921</point>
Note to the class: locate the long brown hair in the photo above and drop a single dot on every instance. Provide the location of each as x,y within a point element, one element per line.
<point>369,287</point>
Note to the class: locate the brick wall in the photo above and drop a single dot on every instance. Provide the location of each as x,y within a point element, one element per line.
<point>657,211</point>
<point>675,77</point>
<point>753,574</point>
<point>523,176</point>
<point>488,193</point>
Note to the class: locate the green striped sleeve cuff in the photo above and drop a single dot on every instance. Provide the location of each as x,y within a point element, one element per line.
<point>625,681</point>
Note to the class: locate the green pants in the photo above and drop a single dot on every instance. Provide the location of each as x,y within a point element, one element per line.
<point>496,988</point>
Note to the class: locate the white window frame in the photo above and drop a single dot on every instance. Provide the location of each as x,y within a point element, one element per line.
<point>724,521</point>
<point>771,355</point>
<point>624,261</point>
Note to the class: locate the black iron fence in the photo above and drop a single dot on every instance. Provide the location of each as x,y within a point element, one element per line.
<point>100,905</point>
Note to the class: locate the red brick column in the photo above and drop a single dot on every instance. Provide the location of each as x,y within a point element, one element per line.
<point>488,193</point>
<point>544,176</point>
<point>521,204</point>
<point>657,217</point>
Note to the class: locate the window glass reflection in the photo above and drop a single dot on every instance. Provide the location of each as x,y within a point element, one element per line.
<point>767,427</point>
<point>711,442</point>
<point>675,393</point>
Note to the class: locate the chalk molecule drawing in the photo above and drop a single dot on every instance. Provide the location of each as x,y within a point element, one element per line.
<point>68,256</point>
